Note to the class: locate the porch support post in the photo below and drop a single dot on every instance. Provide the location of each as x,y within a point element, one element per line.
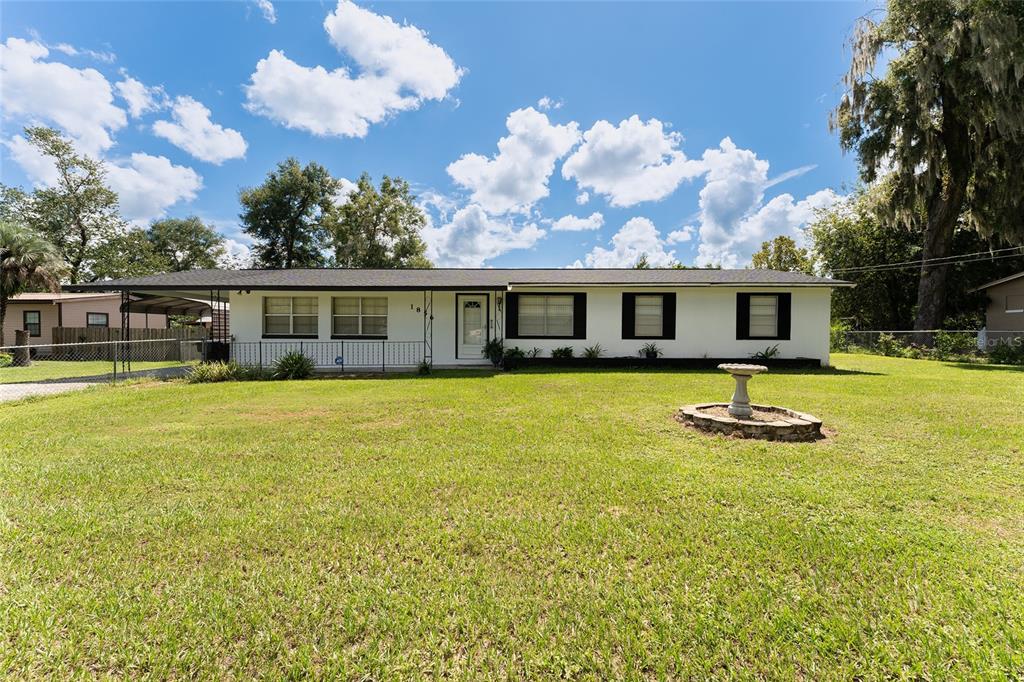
<point>126,358</point>
<point>499,317</point>
<point>428,326</point>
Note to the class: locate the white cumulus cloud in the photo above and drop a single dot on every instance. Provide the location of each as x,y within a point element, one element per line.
<point>148,185</point>
<point>37,166</point>
<point>684,234</point>
<point>193,131</point>
<point>582,198</point>
<point>517,176</point>
<point>400,68</point>
<point>734,218</point>
<point>472,237</point>
<point>634,240</point>
<point>345,189</point>
<point>571,223</point>
<point>139,97</point>
<point>631,162</point>
<point>80,101</point>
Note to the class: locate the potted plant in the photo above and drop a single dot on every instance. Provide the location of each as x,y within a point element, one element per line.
<point>650,351</point>
<point>494,350</point>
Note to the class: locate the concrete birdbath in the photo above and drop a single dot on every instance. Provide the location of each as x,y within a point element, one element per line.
<point>740,405</point>
<point>740,419</point>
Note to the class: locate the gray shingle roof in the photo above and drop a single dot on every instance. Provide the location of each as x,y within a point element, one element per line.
<point>454,278</point>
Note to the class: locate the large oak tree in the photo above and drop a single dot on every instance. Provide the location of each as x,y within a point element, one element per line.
<point>289,214</point>
<point>78,213</point>
<point>946,120</point>
<point>380,227</point>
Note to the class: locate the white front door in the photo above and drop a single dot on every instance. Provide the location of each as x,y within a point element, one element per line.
<point>471,326</point>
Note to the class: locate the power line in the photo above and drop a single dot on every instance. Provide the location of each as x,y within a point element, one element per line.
<point>944,260</point>
<point>931,260</point>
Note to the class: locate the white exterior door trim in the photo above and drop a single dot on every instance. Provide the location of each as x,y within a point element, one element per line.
<point>474,326</point>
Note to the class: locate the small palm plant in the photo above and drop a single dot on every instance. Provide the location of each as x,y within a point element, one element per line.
<point>293,365</point>
<point>27,261</point>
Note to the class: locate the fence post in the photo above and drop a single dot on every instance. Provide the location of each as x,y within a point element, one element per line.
<point>383,356</point>
<point>22,355</point>
<point>261,355</point>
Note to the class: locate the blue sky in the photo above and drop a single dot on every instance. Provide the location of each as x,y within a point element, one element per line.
<point>684,131</point>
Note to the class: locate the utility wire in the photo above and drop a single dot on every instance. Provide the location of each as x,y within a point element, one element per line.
<point>939,258</point>
<point>944,260</point>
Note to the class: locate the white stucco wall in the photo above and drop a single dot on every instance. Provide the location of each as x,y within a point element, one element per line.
<point>705,321</point>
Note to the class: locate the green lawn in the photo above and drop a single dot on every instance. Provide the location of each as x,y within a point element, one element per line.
<point>43,370</point>
<point>525,525</point>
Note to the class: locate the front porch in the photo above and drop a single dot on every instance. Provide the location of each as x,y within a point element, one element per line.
<point>338,355</point>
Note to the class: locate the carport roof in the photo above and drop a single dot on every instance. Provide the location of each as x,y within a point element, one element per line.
<point>206,281</point>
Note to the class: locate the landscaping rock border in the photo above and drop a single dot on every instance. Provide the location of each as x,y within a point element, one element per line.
<point>791,426</point>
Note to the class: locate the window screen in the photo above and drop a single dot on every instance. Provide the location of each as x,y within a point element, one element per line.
<point>649,316</point>
<point>290,315</point>
<point>542,315</point>
<point>360,316</point>
<point>764,316</point>
<point>97,320</point>
<point>33,322</point>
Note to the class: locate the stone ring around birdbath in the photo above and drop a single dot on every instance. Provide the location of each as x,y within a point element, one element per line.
<point>740,418</point>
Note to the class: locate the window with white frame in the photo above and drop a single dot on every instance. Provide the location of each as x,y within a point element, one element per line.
<point>1015,303</point>
<point>764,316</point>
<point>290,316</point>
<point>649,316</point>
<point>542,315</point>
<point>359,316</point>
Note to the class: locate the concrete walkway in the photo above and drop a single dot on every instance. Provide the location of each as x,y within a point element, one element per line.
<point>10,392</point>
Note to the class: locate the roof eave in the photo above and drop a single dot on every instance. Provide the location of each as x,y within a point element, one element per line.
<point>997,282</point>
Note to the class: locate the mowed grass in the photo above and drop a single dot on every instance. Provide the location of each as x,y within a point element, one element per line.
<point>525,525</point>
<point>47,370</point>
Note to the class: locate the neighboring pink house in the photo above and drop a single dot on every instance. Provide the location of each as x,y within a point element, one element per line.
<point>40,313</point>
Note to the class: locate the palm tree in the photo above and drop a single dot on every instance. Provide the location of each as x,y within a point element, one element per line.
<point>27,261</point>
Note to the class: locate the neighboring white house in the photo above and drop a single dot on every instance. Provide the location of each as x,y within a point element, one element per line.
<point>357,318</point>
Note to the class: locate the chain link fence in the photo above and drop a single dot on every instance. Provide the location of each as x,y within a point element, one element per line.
<point>941,344</point>
<point>94,361</point>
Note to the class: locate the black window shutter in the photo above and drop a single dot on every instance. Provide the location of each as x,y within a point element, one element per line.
<point>579,316</point>
<point>511,316</point>
<point>785,316</point>
<point>668,316</point>
<point>742,316</point>
<point>628,316</point>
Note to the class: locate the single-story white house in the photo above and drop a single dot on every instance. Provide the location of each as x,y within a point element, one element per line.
<point>375,318</point>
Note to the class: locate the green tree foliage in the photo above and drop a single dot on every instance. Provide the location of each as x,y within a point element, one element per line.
<point>78,213</point>
<point>288,216</point>
<point>947,118</point>
<point>851,241</point>
<point>642,263</point>
<point>782,253</point>
<point>128,253</point>
<point>186,243</point>
<point>380,228</point>
<point>14,203</point>
<point>27,261</point>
